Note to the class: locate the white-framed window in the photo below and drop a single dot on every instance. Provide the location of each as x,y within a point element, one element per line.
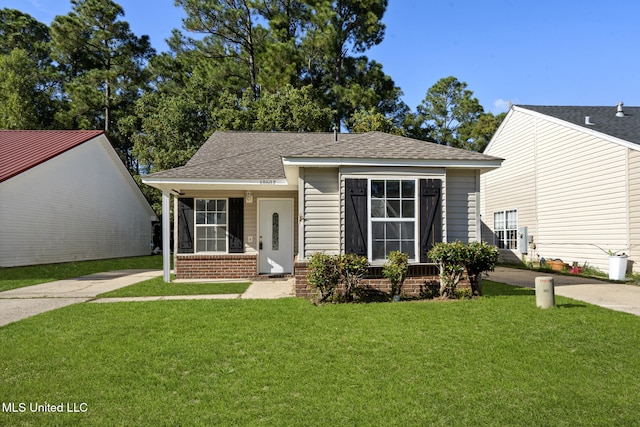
<point>393,217</point>
<point>211,225</point>
<point>505,226</point>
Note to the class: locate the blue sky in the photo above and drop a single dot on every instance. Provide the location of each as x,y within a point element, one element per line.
<point>562,52</point>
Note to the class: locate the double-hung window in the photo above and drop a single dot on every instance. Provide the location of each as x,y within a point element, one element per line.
<point>211,225</point>
<point>393,217</point>
<point>505,225</point>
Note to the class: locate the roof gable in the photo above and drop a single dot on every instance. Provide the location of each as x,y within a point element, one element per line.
<point>24,149</point>
<point>602,119</point>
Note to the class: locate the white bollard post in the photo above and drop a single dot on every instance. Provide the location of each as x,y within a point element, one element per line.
<point>545,297</point>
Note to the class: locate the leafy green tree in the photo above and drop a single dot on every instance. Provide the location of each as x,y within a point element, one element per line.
<point>104,67</point>
<point>26,91</point>
<point>291,109</point>
<point>372,120</point>
<point>29,83</point>
<point>234,35</point>
<point>336,29</point>
<point>449,112</point>
<point>281,60</point>
<point>172,120</point>
<point>19,30</point>
<point>483,130</point>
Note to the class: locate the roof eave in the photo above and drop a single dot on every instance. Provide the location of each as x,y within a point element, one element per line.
<point>180,184</point>
<point>338,162</point>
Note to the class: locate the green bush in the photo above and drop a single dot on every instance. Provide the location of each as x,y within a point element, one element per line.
<point>351,269</point>
<point>330,274</point>
<point>455,257</point>
<point>323,275</point>
<point>395,270</point>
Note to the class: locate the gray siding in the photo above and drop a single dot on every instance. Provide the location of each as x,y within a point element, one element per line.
<point>321,211</point>
<point>462,188</point>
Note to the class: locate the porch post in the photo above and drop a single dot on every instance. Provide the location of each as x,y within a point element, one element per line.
<point>166,236</point>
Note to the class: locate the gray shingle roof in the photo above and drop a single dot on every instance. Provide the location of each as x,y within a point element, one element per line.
<point>603,118</point>
<point>258,155</point>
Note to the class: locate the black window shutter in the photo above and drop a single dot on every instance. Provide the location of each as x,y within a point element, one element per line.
<point>185,226</point>
<point>355,221</point>
<point>430,215</point>
<point>236,225</point>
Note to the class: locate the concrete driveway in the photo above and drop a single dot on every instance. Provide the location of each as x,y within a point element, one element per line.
<point>615,296</point>
<point>21,303</point>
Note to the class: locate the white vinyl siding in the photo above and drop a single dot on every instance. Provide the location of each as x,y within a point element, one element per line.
<point>79,205</point>
<point>568,186</point>
<point>321,211</point>
<point>634,207</point>
<point>462,210</point>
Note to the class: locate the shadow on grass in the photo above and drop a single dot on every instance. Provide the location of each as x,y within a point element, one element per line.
<point>571,306</point>
<point>494,289</point>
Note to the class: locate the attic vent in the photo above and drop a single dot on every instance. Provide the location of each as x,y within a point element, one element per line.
<point>619,112</point>
<point>587,121</point>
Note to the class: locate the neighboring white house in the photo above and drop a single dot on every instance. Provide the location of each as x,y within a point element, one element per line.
<point>571,176</point>
<point>252,203</point>
<point>66,196</point>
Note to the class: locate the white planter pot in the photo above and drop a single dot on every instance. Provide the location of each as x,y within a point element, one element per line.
<point>617,267</point>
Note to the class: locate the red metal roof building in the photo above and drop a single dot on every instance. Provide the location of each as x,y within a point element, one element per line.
<point>23,149</point>
<point>65,195</point>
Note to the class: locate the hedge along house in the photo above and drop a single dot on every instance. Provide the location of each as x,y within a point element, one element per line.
<point>65,195</point>
<point>256,204</point>
<point>569,187</point>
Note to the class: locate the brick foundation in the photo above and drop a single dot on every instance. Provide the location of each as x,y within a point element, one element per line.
<point>216,266</point>
<point>416,278</point>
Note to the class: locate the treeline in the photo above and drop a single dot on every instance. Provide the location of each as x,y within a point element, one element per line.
<point>266,65</point>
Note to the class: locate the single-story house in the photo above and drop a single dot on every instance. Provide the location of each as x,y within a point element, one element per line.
<point>65,195</point>
<point>569,187</point>
<point>251,204</point>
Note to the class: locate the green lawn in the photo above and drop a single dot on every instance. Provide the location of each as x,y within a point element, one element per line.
<point>18,277</point>
<point>157,287</point>
<point>496,361</point>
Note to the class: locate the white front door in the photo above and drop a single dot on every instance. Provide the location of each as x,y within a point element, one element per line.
<point>275,234</point>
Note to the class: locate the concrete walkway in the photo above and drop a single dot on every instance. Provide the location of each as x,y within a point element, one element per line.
<point>614,296</point>
<point>18,304</point>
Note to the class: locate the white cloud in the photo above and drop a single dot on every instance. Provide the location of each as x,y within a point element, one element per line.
<point>500,106</point>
